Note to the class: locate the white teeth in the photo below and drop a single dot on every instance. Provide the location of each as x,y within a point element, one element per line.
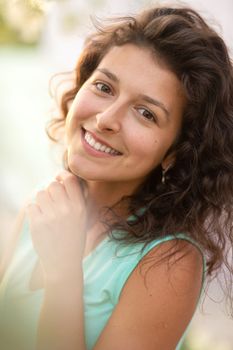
<point>97,145</point>
<point>103,148</point>
<point>92,142</point>
<point>88,137</point>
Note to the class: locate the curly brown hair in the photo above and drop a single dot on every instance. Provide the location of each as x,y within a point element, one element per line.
<point>197,195</point>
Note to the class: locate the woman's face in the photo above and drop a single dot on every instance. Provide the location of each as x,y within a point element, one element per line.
<point>124,118</point>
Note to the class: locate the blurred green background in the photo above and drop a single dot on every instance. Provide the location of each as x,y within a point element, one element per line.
<point>16,17</point>
<point>39,38</point>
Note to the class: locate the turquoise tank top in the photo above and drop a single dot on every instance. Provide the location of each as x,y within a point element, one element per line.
<point>105,272</point>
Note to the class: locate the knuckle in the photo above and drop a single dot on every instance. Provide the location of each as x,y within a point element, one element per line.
<point>40,194</point>
<point>54,185</point>
<point>62,175</point>
<point>72,181</point>
<point>69,177</point>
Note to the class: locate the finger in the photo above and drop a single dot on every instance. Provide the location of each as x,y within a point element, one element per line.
<point>72,184</point>
<point>62,175</point>
<point>57,192</point>
<point>44,201</point>
<point>32,210</point>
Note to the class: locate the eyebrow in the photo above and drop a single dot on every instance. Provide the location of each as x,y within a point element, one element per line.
<point>142,96</point>
<point>156,103</point>
<point>108,74</point>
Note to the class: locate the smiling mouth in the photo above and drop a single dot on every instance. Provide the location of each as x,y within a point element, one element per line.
<point>97,145</point>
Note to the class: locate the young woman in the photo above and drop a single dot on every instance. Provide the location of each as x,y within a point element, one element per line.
<point>114,252</point>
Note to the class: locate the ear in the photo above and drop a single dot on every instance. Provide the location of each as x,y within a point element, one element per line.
<point>168,161</point>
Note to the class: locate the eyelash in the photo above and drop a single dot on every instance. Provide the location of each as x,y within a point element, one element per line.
<point>103,84</point>
<point>152,117</point>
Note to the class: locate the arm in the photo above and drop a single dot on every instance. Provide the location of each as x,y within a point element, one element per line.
<point>9,248</point>
<point>145,318</point>
<point>61,325</point>
<point>155,317</point>
<point>57,224</point>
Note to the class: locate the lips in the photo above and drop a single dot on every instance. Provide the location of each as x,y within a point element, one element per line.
<point>99,145</point>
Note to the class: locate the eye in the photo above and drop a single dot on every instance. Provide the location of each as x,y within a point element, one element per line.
<point>103,87</point>
<point>147,114</point>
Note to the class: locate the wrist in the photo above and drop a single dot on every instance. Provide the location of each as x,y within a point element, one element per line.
<point>69,277</point>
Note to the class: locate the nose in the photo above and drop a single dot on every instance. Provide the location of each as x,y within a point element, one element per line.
<point>110,118</point>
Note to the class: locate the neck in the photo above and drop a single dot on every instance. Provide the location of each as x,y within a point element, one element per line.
<point>100,195</point>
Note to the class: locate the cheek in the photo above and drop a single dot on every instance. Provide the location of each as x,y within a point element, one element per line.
<point>143,144</point>
<point>149,148</point>
<point>79,111</point>
<point>82,106</point>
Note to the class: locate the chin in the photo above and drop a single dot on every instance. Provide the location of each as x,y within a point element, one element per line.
<point>82,174</point>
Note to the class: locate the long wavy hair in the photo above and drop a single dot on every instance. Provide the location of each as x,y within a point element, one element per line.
<point>196,197</point>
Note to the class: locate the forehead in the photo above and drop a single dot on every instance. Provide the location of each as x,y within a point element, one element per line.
<point>141,71</point>
<point>139,60</point>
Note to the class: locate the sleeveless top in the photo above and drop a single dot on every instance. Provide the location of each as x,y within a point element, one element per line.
<point>106,270</point>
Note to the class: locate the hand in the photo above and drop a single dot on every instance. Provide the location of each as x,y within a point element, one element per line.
<point>57,223</point>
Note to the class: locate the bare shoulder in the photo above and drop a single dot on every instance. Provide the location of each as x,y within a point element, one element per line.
<point>181,272</point>
<point>157,301</point>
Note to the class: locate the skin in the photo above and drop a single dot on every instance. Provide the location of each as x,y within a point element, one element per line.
<point>113,111</point>
<point>119,116</point>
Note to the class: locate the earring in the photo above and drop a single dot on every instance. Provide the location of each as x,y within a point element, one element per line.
<point>164,171</point>
<point>163,176</point>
